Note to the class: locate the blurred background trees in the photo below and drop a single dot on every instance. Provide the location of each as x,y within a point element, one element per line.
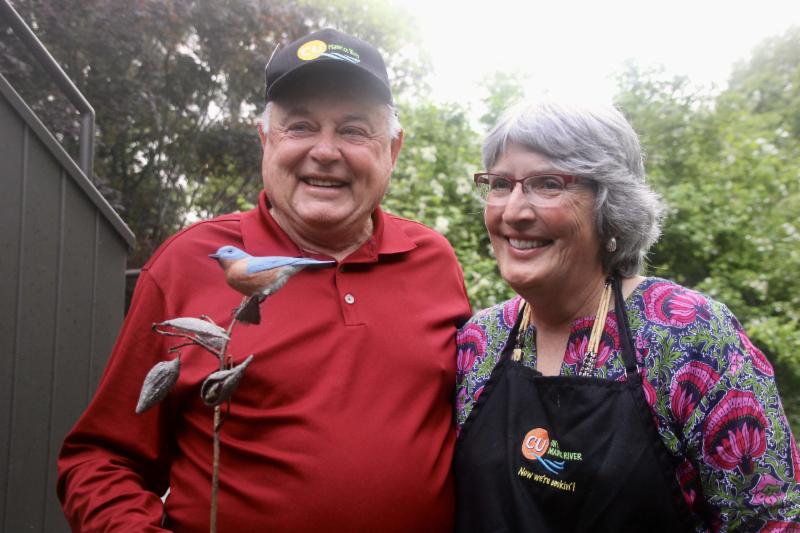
<point>178,89</point>
<point>728,167</point>
<point>177,86</point>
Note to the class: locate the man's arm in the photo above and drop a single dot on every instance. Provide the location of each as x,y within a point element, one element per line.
<point>114,465</point>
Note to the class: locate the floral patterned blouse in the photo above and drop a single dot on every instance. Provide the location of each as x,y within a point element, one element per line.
<point>711,391</point>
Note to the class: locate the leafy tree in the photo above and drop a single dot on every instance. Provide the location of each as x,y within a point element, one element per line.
<point>503,89</point>
<point>678,137</point>
<point>767,85</point>
<point>433,184</point>
<point>728,168</point>
<point>177,86</point>
<point>761,152</point>
<point>433,180</point>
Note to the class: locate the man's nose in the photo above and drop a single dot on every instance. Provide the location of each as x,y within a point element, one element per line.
<point>325,149</point>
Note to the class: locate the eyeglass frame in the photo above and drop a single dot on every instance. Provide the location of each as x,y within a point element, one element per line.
<point>568,179</point>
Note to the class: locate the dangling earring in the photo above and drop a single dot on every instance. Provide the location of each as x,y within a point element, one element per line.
<point>611,245</point>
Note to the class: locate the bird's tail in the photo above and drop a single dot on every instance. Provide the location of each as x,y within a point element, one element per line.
<point>250,312</point>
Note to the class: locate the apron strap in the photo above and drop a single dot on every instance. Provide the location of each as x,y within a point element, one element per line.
<point>511,342</point>
<point>624,328</point>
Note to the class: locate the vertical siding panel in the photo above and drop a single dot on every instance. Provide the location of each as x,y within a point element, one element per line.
<point>12,174</point>
<point>91,384</point>
<point>57,330</point>
<point>73,349</point>
<point>62,262</point>
<point>32,374</point>
<point>110,301</point>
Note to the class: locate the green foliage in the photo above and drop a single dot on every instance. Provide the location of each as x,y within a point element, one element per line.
<point>173,72</point>
<point>504,90</point>
<point>728,168</point>
<point>178,87</point>
<point>433,181</point>
<point>433,184</point>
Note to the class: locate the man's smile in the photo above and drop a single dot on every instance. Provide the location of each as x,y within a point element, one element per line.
<point>320,182</point>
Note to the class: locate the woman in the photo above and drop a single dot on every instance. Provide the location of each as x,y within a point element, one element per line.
<point>599,399</point>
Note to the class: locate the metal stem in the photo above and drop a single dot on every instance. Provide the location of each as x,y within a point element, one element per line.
<point>217,430</point>
<point>215,472</point>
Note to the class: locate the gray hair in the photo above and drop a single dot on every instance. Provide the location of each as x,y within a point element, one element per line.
<point>599,144</point>
<point>392,122</point>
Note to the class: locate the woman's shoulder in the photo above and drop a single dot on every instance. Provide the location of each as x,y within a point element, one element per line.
<point>668,304</point>
<point>685,332</point>
<point>480,342</point>
<point>482,338</point>
<point>500,316</point>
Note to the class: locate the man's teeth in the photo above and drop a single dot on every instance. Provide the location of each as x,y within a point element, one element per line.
<point>322,183</point>
<point>526,245</point>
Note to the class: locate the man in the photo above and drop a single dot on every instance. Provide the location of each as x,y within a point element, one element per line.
<point>342,421</point>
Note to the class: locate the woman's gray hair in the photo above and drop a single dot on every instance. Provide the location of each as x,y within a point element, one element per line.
<point>597,143</point>
<point>392,122</point>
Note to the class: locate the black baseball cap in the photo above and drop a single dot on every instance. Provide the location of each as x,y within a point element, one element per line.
<point>328,52</point>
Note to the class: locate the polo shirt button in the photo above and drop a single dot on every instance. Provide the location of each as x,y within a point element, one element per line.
<point>349,298</point>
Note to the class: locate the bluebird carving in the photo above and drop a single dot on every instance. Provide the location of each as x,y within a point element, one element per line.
<point>259,277</point>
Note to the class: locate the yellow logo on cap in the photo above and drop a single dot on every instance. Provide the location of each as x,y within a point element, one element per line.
<point>312,50</point>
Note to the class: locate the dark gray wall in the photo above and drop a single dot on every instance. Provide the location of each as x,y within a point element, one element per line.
<point>62,264</point>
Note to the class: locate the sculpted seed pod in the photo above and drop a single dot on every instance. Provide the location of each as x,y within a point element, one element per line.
<point>219,386</point>
<point>157,383</point>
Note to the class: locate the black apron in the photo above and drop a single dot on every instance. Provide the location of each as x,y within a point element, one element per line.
<point>565,453</point>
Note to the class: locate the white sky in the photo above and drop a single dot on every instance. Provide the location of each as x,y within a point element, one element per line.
<point>573,48</point>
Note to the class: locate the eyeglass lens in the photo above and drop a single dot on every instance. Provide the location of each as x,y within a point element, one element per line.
<point>539,190</point>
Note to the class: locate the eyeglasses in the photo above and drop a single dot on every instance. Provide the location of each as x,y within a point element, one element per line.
<point>542,190</point>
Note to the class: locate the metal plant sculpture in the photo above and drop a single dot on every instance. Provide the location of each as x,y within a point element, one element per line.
<point>256,278</point>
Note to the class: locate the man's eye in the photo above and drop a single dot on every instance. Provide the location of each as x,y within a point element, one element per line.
<point>353,131</point>
<point>298,127</point>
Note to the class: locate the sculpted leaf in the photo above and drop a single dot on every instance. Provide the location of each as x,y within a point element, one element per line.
<point>203,332</point>
<point>157,384</point>
<point>200,327</point>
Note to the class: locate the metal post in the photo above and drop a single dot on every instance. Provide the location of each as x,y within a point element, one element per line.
<point>86,144</point>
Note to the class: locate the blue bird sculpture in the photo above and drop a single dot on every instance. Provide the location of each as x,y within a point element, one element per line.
<point>258,277</point>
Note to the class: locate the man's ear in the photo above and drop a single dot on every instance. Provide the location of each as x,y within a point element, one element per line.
<point>396,144</point>
<point>262,134</point>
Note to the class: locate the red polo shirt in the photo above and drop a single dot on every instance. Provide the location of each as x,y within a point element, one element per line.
<point>343,422</point>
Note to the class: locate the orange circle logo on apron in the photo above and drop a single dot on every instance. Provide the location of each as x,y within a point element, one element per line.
<point>535,443</point>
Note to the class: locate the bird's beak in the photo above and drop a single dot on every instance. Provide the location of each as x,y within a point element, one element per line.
<point>213,256</point>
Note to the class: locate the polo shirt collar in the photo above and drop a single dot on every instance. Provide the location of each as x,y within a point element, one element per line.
<point>261,235</point>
